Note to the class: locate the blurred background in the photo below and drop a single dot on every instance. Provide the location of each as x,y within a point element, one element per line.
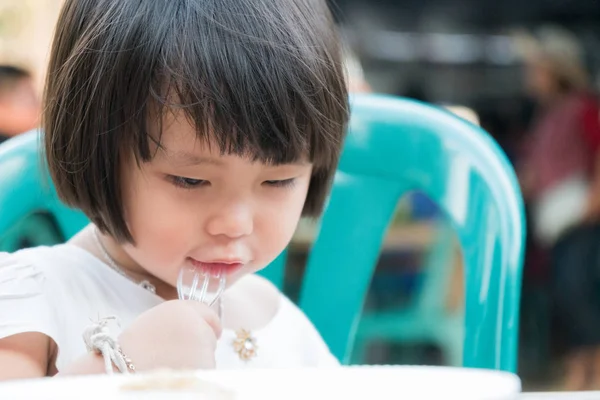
<point>520,69</point>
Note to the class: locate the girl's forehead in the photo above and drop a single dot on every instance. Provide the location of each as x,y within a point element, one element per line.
<point>177,140</point>
<point>183,148</point>
<point>175,136</point>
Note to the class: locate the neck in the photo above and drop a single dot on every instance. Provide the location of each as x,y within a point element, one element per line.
<point>128,266</point>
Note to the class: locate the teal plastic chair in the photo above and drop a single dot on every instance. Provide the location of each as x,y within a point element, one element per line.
<point>34,230</point>
<point>395,146</point>
<point>29,208</point>
<point>426,318</point>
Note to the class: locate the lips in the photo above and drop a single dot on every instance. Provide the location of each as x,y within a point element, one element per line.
<point>216,267</point>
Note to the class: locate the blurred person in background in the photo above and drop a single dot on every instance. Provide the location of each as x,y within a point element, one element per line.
<point>560,180</point>
<point>20,105</point>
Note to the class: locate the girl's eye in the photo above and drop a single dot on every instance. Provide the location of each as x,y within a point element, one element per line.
<point>285,183</point>
<point>187,183</point>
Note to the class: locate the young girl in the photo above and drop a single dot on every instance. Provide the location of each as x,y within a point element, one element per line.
<point>193,134</point>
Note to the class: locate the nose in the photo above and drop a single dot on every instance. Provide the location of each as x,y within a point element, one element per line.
<point>232,221</point>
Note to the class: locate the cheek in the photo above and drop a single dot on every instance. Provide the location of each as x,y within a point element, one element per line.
<point>159,224</point>
<point>166,223</point>
<point>278,222</point>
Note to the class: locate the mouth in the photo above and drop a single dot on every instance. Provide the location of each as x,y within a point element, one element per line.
<point>217,268</point>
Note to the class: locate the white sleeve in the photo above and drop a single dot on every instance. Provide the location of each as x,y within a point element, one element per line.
<point>24,302</point>
<point>315,351</point>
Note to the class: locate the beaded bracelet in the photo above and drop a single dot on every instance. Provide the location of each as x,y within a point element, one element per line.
<point>128,362</point>
<point>98,339</point>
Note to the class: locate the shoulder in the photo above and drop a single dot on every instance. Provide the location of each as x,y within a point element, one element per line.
<point>26,303</point>
<point>29,272</point>
<point>38,278</point>
<point>38,255</point>
<point>35,264</point>
<point>19,273</point>
<point>261,294</point>
<point>291,322</point>
<point>296,336</point>
<point>253,302</point>
<point>260,289</point>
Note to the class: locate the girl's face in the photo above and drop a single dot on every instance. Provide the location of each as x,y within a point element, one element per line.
<point>191,206</point>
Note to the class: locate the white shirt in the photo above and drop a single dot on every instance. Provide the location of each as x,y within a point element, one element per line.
<point>60,290</point>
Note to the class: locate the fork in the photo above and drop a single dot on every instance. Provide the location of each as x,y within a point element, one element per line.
<point>189,286</point>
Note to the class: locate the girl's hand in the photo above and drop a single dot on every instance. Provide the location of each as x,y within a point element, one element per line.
<point>177,334</point>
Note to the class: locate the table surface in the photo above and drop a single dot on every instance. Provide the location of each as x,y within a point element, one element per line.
<point>385,383</point>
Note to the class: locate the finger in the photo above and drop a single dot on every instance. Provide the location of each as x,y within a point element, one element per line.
<point>208,315</point>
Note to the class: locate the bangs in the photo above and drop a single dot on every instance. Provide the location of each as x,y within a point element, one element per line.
<point>265,92</point>
<point>261,79</point>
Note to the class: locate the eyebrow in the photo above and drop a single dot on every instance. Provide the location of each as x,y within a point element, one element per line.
<point>186,159</point>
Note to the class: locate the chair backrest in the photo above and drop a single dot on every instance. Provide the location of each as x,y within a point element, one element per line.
<point>437,270</point>
<point>395,146</point>
<point>26,189</point>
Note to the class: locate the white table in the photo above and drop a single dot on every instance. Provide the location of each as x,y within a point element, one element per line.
<point>364,383</point>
